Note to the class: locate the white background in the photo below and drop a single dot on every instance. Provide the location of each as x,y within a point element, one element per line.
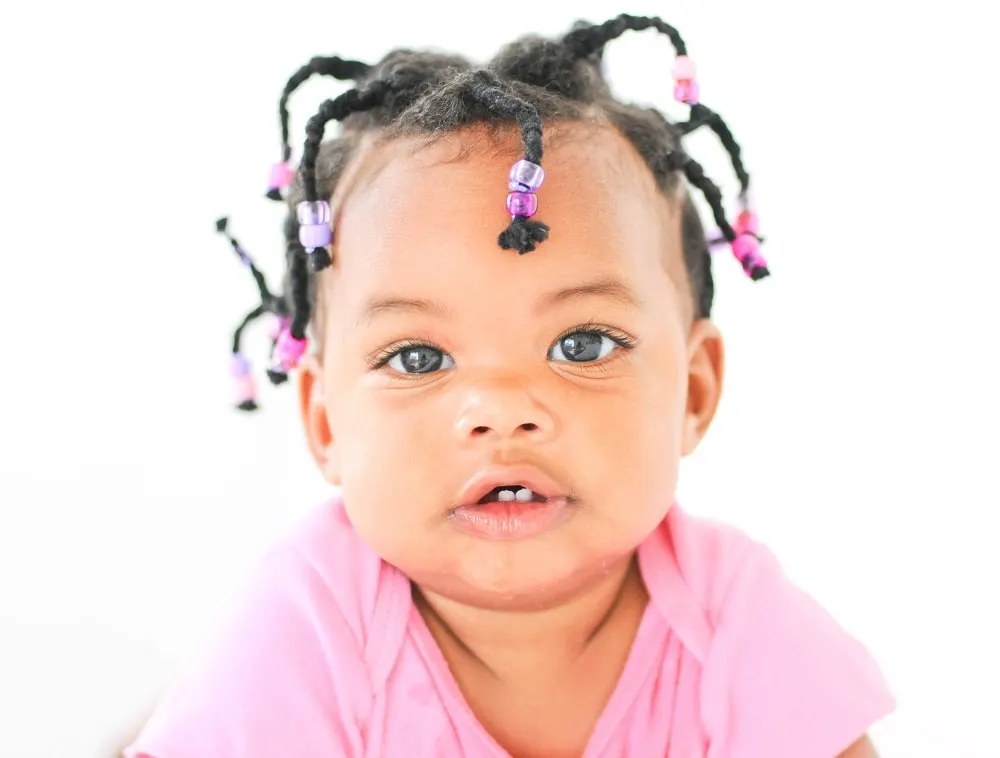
<point>858,437</point>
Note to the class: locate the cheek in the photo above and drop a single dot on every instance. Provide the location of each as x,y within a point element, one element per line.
<point>389,431</point>
<point>391,458</point>
<point>634,441</point>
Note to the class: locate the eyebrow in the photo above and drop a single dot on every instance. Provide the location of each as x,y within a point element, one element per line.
<point>379,306</point>
<point>611,289</point>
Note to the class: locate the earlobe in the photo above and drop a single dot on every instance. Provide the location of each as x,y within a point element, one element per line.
<point>706,359</point>
<point>315,419</point>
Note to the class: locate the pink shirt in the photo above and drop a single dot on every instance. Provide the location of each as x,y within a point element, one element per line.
<point>328,657</point>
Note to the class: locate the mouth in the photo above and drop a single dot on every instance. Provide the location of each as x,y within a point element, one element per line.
<point>511,484</point>
<point>512,503</point>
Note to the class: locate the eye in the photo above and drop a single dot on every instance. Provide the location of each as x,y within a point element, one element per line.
<point>584,346</point>
<point>419,359</point>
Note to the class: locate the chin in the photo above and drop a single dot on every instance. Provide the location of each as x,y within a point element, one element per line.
<point>520,576</point>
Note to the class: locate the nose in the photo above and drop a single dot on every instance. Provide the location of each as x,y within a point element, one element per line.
<point>503,412</point>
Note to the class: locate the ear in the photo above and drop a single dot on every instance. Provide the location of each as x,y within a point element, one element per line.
<point>706,359</point>
<point>316,421</point>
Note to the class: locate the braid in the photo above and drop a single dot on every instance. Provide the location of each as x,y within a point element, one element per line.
<point>752,263</point>
<point>335,66</point>
<point>337,109</point>
<point>585,41</point>
<point>298,276</point>
<point>695,174</point>
<point>294,331</point>
<point>252,316</point>
<point>269,303</point>
<point>314,218</point>
<point>701,115</point>
<point>222,227</point>
<point>523,234</point>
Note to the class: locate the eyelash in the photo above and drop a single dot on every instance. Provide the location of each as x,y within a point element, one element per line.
<point>383,356</point>
<point>623,340</point>
<point>620,338</point>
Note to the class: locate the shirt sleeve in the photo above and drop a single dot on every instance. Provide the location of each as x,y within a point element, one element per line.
<point>285,678</point>
<point>782,678</point>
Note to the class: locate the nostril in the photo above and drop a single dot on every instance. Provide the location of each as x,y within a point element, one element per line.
<point>479,431</point>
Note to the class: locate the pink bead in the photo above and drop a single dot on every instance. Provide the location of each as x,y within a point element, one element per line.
<point>522,204</point>
<point>289,350</point>
<point>746,247</point>
<point>246,389</point>
<point>687,91</point>
<point>281,176</point>
<point>748,222</point>
<point>684,69</point>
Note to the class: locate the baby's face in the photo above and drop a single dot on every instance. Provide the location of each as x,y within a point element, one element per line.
<point>578,360</point>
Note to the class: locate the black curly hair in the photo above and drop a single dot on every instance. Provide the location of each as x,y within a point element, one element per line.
<point>530,82</point>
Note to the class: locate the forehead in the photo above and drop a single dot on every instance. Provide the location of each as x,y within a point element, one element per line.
<point>427,215</point>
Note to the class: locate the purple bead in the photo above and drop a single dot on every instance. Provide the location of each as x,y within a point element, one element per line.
<point>715,242</point>
<point>313,214</point>
<point>313,236</point>
<point>687,92</point>
<point>525,176</point>
<point>239,366</point>
<point>522,204</point>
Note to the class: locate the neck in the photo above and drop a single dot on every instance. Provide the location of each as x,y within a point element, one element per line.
<point>513,644</point>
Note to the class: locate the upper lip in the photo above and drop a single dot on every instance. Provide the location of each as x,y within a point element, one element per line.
<point>510,476</point>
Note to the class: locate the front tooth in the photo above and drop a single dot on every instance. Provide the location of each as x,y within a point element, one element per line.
<point>524,495</point>
<point>505,496</point>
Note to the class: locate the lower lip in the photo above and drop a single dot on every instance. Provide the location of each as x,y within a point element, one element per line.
<point>510,520</point>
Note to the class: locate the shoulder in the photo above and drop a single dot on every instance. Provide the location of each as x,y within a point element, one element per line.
<point>710,556</point>
<point>781,676</point>
<point>291,670</point>
<point>336,565</point>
